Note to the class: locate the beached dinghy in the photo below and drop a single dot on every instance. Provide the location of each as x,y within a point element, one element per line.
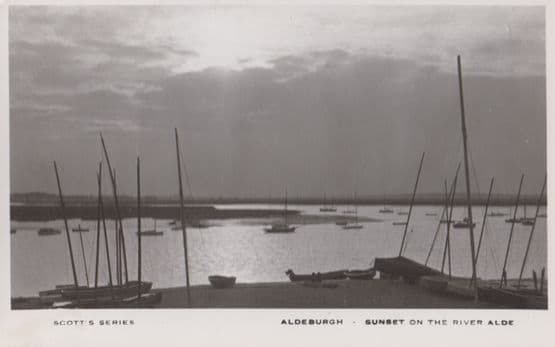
<point>317,276</point>
<point>221,282</point>
<point>360,274</point>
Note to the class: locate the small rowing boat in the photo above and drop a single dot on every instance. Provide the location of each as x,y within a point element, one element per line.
<point>221,282</point>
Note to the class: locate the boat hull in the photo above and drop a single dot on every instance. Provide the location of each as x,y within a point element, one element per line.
<point>280,230</point>
<point>317,276</point>
<point>222,282</point>
<point>401,266</point>
<point>118,291</point>
<point>360,274</point>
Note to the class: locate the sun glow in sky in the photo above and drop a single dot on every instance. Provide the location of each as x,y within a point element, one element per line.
<point>253,86</point>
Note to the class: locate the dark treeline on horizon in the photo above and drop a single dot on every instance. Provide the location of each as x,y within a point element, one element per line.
<point>393,199</point>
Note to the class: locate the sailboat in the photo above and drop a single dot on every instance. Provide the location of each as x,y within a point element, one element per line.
<point>282,227</point>
<point>385,209</point>
<point>151,232</point>
<point>327,208</point>
<point>355,224</point>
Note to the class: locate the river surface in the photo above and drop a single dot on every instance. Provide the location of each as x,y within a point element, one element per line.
<point>241,248</point>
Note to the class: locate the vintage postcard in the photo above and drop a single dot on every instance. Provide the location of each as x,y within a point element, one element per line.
<point>329,173</point>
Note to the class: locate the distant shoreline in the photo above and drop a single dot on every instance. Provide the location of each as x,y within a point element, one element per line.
<point>403,199</point>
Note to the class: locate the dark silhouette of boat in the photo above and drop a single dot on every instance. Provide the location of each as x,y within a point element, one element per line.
<point>221,282</point>
<point>124,290</point>
<point>399,223</point>
<point>316,276</point>
<point>151,232</point>
<point>361,274</point>
<point>79,229</point>
<point>463,225</point>
<point>404,267</point>
<point>48,231</point>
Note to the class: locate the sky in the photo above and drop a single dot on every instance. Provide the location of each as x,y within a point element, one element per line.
<point>316,100</point>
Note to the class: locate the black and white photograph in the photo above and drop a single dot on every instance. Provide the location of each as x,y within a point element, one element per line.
<point>277,157</point>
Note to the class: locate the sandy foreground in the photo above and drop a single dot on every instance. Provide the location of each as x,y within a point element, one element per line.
<point>328,294</point>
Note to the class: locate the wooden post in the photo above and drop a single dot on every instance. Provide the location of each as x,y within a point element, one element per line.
<point>182,209</point>
<point>443,214</point>
<point>531,232</point>
<point>504,271</point>
<point>118,214</point>
<point>484,220</point>
<point>411,204</point>
<point>467,179</point>
<point>139,226</point>
<point>62,205</point>
<point>535,276</point>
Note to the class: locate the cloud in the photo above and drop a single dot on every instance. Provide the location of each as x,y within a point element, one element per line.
<point>323,96</point>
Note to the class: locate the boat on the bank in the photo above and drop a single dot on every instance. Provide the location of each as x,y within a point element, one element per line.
<point>221,282</point>
<point>123,290</point>
<point>399,223</point>
<point>341,222</point>
<point>527,221</point>
<point>79,229</point>
<point>48,231</point>
<point>146,300</point>
<point>367,274</point>
<point>404,267</point>
<point>402,213</point>
<point>281,227</point>
<point>316,276</point>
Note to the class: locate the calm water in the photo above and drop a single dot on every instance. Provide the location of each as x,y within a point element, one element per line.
<point>242,249</point>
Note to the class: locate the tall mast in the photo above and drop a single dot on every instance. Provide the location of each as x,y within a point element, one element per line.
<point>484,219</point>
<point>139,226</point>
<point>118,214</point>
<point>111,282</point>
<point>83,253</point>
<point>182,211</point>
<point>467,179</point>
<point>98,216</point>
<point>63,206</point>
<point>411,203</point>
<point>531,232</point>
<point>444,214</point>
<point>504,271</point>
